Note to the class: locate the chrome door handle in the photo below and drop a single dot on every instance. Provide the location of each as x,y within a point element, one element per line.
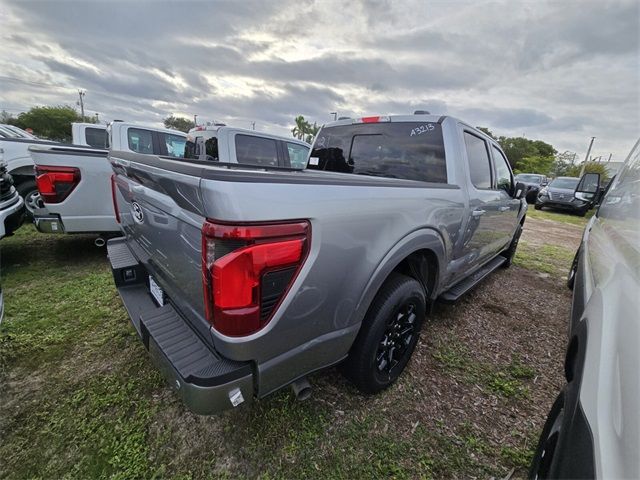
<point>478,213</point>
<point>504,209</point>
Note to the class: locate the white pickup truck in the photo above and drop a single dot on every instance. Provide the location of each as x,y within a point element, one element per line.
<point>74,182</point>
<point>20,164</point>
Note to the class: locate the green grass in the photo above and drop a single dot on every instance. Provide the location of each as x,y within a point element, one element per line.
<point>80,397</point>
<point>561,217</point>
<point>552,259</point>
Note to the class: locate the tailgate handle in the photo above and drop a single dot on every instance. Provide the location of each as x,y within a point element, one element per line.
<point>478,213</point>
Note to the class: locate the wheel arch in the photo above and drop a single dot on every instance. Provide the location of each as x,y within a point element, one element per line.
<point>420,255</point>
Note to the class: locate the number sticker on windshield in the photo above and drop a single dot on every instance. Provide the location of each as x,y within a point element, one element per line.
<point>427,127</point>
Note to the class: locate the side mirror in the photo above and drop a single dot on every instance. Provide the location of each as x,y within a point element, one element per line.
<point>520,190</point>
<point>588,187</point>
<point>544,183</point>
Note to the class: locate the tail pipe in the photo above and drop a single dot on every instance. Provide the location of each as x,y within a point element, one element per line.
<point>99,242</point>
<point>301,389</point>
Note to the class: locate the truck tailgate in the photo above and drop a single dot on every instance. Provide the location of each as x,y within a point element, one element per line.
<point>88,206</point>
<point>161,215</point>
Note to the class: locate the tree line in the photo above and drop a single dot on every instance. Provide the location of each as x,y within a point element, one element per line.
<point>524,155</point>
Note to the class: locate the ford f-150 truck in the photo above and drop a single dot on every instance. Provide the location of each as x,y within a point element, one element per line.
<point>20,164</point>
<point>74,182</point>
<point>241,280</point>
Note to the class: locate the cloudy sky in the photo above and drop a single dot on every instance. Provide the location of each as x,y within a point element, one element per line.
<point>557,71</point>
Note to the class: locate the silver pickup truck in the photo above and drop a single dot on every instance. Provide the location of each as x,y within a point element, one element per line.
<point>241,279</point>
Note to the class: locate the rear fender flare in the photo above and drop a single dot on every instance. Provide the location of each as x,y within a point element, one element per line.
<point>429,239</point>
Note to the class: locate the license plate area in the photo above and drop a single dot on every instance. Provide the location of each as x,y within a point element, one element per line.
<point>156,291</point>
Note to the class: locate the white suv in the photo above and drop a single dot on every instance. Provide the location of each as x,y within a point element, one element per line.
<point>593,429</point>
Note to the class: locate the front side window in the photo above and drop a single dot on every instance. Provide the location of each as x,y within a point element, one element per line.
<point>405,150</point>
<point>479,163</point>
<point>251,150</point>
<point>96,137</point>
<point>297,155</point>
<point>503,174</point>
<point>175,144</point>
<point>140,140</point>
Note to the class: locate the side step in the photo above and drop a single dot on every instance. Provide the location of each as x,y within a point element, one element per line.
<point>459,289</point>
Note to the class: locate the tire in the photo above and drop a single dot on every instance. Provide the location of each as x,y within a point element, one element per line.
<point>388,335</point>
<point>29,192</point>
<point>543,458</point>
<point>537,207</point>
<point>571,276</point>
<point>510,252</point>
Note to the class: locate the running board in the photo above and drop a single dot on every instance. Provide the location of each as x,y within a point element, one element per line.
<point>459,289</point>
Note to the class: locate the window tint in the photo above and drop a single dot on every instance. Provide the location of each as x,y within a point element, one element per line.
<point>297,155</point>
<point>175,144</point>
<point>479,166</point>
<point>96,137</point>
<point>503,174</point>
<point>140,141</point>
<point>252,150</point>
<point>407,150</point>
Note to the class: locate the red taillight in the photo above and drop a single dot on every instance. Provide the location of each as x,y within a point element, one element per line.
<point>376,119</point>
<point>113,197</point>
<point>56,183</point>
<point>247,271</point>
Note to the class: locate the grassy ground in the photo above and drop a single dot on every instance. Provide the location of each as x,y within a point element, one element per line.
<point>79,397</point>
<point>561,217</point>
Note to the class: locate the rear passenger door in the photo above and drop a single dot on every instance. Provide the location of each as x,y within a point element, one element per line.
<point>482,236</point>
<point>296,155</point>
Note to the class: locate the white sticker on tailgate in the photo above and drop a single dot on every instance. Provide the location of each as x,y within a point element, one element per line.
<point>156,291</point>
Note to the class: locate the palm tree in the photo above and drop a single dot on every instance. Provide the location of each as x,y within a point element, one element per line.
<point>301,128</point>
<point>312,132</point>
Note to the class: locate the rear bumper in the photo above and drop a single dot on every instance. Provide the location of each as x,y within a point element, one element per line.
<point>206,382</point>
<point>47,223</point>
<point>11,215</point>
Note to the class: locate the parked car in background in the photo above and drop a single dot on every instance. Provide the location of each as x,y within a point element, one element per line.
<point>242,279</point>
<point>559,195</point>
<point>18,132</point>
<point>74,182</point>
<point>11,203</point>
<point>20,164</point>
<point>593,429</point>
<point>534,182</point>
<point>220,143</point>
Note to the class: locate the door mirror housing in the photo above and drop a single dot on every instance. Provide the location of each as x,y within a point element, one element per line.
<point>588,187</point>
<point>520,190</point>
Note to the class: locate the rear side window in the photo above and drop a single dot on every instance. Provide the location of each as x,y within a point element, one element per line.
<point>297,155</point>
<point>479,163</point>
<point>175,144</point>
<point>260,151</point>
<point>140,140</point>
<point>96,137</point>
<point>406,150</point>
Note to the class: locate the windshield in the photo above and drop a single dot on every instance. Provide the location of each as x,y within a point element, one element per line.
<point>406,150</point>
<point>526,177</point>
<point>568,183</point>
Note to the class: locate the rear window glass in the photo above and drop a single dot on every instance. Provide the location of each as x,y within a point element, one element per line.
<point>96,137</point>
<point>174,144</point>
<point>297,155</point>
<point>252,150</point>
<point>406,150</point>
<point>140,141</point>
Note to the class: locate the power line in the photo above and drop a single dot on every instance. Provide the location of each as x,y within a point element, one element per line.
<point>38,84</point>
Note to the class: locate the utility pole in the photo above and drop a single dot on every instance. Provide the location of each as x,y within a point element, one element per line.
<point>335,115</point>
<point>81,94</point>
<point>609,157</point>
<point>586,157</point>
<point>97,119</point>
<point>253,125</point>
<point>195,120</point>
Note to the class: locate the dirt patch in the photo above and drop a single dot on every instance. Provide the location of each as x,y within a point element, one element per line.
<point>540,232</point>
